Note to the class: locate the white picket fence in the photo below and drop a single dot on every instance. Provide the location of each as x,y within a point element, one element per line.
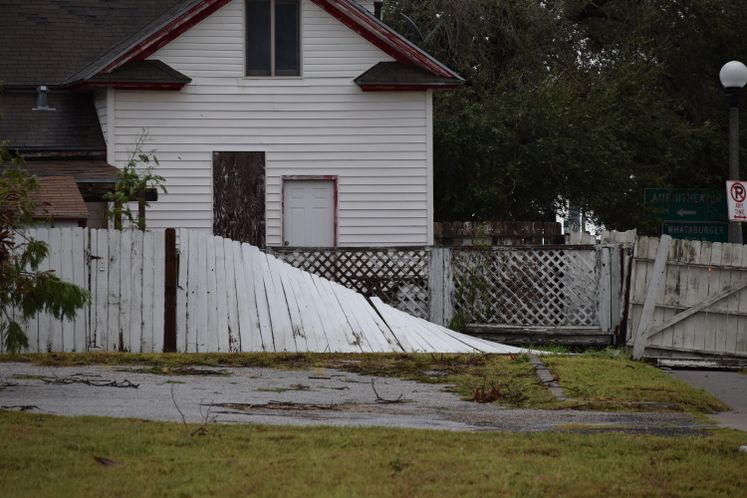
<point>124,272</point>
<point>230,297</point>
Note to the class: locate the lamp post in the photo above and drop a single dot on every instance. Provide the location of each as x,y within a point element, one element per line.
<point>733,77</point>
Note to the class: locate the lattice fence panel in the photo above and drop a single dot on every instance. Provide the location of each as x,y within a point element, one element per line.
<point>526,287</point>
<point>399,277</point>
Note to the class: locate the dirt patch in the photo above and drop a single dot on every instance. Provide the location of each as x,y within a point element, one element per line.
<point>283,406</point>
<point>170,371</point>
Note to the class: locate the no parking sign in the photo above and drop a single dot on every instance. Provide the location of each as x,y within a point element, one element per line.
<point>736,195</point>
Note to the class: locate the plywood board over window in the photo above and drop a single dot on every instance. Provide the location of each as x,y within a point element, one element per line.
<point>239,196</point>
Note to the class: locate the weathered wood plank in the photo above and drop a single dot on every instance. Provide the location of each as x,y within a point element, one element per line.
<point>201,294</point>
<point>211,334</point>
<point>54,331</point>
<point>652,293</point>
<point>351,315</point>
<point>312,325</point>
<point>113,291</point>
<point>148,283</point>
<point>125,290</point>
<point>181,292</point>
<point>231,297</point>
<point>282,330</point>
<point>193,290</point>
<point>99,267</point>
<point>337,329</point>
<point>141,339</point>
<point>728,338</point>
<point>80,278</point>
<point>65,272</point>
<point>740,338</point>
<point>221,299</point>
<point>286,281</point>
<point>715,286</point>
<point>262,338</point>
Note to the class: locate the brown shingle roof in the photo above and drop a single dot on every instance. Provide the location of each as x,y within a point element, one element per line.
<point>82,170</point>
<point>58,197</point>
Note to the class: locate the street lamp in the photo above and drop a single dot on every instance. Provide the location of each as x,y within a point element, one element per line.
<point>733,77</point>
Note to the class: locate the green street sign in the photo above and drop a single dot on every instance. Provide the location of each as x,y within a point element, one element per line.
<point>695,204</point>
<point>712,232</point>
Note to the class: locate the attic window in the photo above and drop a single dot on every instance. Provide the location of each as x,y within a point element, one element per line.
<point>273,42</point>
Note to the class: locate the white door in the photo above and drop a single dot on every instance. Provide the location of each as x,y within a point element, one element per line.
<point>308,213</point>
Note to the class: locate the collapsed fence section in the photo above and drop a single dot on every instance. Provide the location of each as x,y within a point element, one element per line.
<point>520,293</point>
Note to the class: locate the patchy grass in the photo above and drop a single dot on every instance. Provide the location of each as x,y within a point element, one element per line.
<point>46,456</point>
<point>608,380</point>
<point>605,380</point>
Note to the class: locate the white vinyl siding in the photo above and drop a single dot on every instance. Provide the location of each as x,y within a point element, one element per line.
<point>318,124</point>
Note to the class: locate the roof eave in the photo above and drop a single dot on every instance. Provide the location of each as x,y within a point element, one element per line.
<point>144,44</point>
<point>408,87</point>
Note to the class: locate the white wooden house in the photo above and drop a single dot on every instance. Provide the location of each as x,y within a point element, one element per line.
<point>277,122</point>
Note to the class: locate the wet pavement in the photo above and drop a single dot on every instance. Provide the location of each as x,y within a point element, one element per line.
<point>729,387</point>
<point>300,398</point>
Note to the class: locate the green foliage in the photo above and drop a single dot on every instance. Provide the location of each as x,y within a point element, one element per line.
<point>135,179</point>
<point>24,289</point>
<point>574,101</point>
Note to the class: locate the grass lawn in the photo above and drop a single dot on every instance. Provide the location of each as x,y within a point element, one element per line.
<point>604,380</point>
<point>48,456</point>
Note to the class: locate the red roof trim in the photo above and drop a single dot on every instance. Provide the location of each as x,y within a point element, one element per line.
<point>167,33</point>
<point>383,37</point>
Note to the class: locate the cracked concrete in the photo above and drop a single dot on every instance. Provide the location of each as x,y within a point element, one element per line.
<point>300,398</point>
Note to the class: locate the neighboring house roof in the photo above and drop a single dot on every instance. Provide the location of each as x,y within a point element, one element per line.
<point>83,170</point>
<point>46,42</point>
<point>58,197</point>
<point>72,126</point>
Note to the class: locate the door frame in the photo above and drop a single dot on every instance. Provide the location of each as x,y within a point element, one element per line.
<point>319,178</point>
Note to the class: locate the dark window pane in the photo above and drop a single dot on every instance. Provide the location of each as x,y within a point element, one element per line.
<point>258,38</point>
<point>287,38</point>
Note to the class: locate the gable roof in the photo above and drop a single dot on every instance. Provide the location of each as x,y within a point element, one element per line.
<point>363,22</point>
<point>71,42</point>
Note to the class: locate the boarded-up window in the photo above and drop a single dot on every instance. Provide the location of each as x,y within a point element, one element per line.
<point>239,196</point>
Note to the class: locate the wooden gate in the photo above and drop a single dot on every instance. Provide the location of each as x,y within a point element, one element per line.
<point>688,299</point>
<point>239,196</point>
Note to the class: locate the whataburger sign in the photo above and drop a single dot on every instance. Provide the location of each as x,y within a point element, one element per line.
<point>736,195</point>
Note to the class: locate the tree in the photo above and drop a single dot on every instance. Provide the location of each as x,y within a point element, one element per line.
<point>135,179</point>
<point>571,101</point>
<point>24,289</point>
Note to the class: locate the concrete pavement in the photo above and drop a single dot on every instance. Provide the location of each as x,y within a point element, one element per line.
<point>729,387</point>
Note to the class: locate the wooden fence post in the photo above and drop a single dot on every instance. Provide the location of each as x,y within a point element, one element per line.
<point>652,293</point>
<point>169,310</point>
<point>440,285</point>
